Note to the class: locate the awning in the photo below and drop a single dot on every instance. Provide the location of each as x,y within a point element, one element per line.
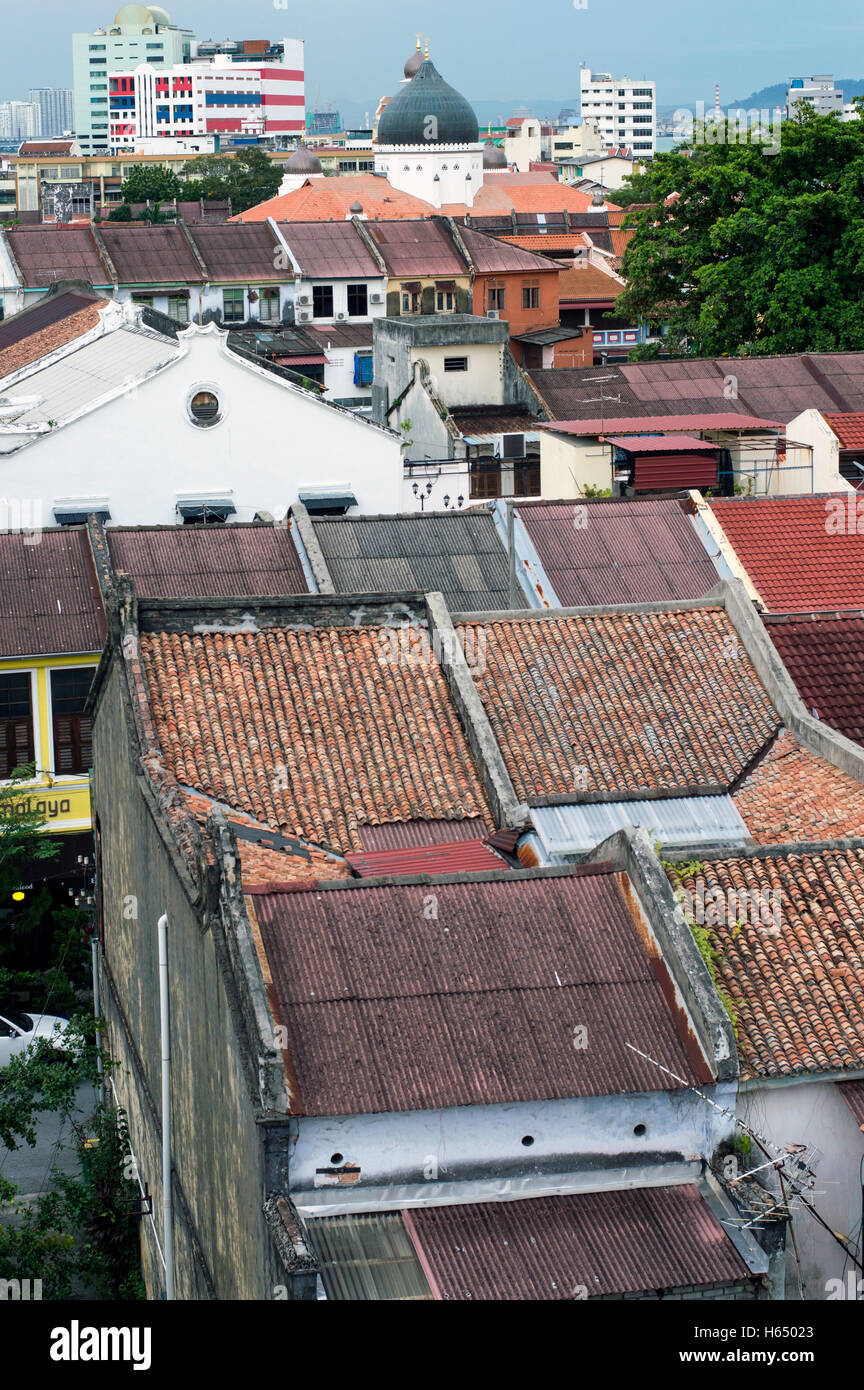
<point>200,511</point>
<point>411,284</point>
<point>65,516</point>
<point>325,501</point>
<point>314,359</point>
<point>445,284</point>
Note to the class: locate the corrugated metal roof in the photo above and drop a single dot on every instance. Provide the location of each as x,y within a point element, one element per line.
<point>677,822</point>
<point>151,255</point>
<point>460,857</point>
<point>416,248</point>
<point>637,424</point>
<point>618,551</point>
<point>367,1258</point>
<point>674,472</point>
<point>235,561</point>
<point>48,254</point>
<point>85,376</point>
<point>49,598</point>
<point>239,251</point>
<point>545,1248</point>
<point>661,444</point>
<point>330,250</point>
<point>390,1007</point>
<point>456,553</point>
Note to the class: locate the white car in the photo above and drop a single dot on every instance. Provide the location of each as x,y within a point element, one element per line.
<point>18,1030</point>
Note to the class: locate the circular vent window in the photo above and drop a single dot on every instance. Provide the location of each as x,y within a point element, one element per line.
<point>204,408</point>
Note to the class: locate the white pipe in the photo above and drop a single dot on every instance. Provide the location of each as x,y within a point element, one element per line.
<point>165,1020</point>
<point>94,952</point>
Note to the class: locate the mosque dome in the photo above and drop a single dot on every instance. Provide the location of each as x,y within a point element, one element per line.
<point>414,63</point>
<point>493,156</point>
<point>427,111</point>
<point>303,161</point>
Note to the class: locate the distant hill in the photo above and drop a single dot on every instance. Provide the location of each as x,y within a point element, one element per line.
<point>769,97</point>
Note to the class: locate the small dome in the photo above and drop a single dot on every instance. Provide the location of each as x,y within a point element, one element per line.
<point>598,200</point>
<point>414,63</point>
<point>303,161</point>
<point>428,111</point>
<point>137,15</point>
<point>356,207</point>
<point>493,156</point>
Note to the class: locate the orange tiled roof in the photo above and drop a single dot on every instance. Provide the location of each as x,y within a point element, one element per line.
<point>585,281</point>
<point>849,429</point>
<point>793,794</point>
<point>621,238</point>
<point>37,345</point>
<point>263,864</point>
<point>621,702</point>
<point>798,993</point>
<point>330,199</point>
<point>553,241</point>
<point>315,732</point>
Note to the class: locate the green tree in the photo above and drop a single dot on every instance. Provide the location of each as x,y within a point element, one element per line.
<point>247,178</point>
<point>746,249</point>
<point>149,183</point>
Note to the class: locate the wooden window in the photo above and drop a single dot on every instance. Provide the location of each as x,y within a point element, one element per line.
<point>496,296</point>
<point>531,295</point>
<point>73,730</point>
<point>16,722</point>
<point>485,479</point>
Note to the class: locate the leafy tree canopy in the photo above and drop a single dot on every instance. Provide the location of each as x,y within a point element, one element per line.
<point>146,183</point>
<point>247,177</point>
<point>747,248</point>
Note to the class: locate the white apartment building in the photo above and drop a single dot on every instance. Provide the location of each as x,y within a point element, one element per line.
<point>56,106</point>
<point>624,111</point>
<point>818,92</point>
<point>20,120</point>
<point>138,35</point>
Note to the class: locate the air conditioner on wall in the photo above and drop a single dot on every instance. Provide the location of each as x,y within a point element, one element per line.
<point>492,314</point>
<point>375,298</point>
<point>302,299</point>
<point>304,317</point>
<point>340,316</point>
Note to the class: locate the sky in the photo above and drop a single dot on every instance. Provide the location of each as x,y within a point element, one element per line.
<point>511,51</point>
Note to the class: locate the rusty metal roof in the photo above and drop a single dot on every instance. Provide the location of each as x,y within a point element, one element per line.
<point>389,1004</point>
<point>239,251</point>
<point>459,857</point>
<point>49,598</point>
<point>151,255</point>
<point>238,561</point>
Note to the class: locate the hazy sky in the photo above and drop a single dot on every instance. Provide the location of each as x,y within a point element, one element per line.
<point>516,49</point>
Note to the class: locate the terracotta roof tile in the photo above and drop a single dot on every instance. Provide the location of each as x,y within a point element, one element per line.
<point>620,702</point>
<point>825,658</point>
<point>798,992</point>
<point>793,794</point>
<point>43,341</point>
<point>792,549</point>
<point>584,281</point>
<point>313,731</point>
<point>849,429</point>
<point>323,200</point>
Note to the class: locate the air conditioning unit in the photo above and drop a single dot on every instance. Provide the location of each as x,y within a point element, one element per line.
<point>303,317</point>
<point>302,299</point>
<point>492,314</point>
<point>340,316</point>
<point>375,298</point>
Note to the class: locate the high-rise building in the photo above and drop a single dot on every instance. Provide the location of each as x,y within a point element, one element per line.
<point>20,120</point>
<point>214,95</point>
<point>624,111</point>
<point>139,34</point>
<point>56,107</point>
<point>818,92</point>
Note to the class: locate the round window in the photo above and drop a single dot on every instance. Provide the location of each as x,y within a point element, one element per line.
<point>204,408</point>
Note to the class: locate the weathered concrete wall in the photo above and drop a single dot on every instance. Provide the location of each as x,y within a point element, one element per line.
<point>223,1246</point>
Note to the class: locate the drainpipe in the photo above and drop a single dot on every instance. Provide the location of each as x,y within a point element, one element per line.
<point>94,952</point>
<point>511,557</point>
<point>164,1016</point>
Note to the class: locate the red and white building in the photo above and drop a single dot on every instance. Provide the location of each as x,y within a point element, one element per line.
<point>212,98</point>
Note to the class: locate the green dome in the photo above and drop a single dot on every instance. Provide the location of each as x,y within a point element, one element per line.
<point>427,112</point>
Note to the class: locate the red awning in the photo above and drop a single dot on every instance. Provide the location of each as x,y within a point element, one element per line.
<point>315,359</point>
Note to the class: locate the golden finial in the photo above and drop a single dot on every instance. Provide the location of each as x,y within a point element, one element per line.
<point>419,45</point>
<point>427,47</point>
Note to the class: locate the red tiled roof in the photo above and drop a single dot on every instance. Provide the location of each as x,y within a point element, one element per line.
<point>46,255</point>
<point>798,993</point>
<point>312,731</point>
<point>264,862</point>
<point>458,857</point>
<point>151,255</point>
<point>388,1007</point>
<point>330,250</point>
<point>585,281</point>
<point>621,702</point>
<point>849,429</point>
<point>795,561</point>
<point>49,598</point>
<point>825,658</point>
<point>626,552</point>
<point>793,794</point>
<point>238,561</point>
<point>28,346</point>
<point>552,241</point>
<point>546,1248</point>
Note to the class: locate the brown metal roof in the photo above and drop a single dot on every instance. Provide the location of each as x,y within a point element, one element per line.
<point>416,248</point>
<point>330,250</point>
<point>643,1240</point>
<point>626,551</point>
<point>240,251</point>
<point>238,561</point>
<point>491,256</point>
<point>638,424</point>
<point>458,857</point>
<point>151,255</point>
<point>46,255</point>
<point>413,833</point>
<point>339,335</point>
<point>388,1007</point>
<point>49,598</point>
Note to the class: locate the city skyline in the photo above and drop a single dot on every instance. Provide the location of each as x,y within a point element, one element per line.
<point>683,48</point>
